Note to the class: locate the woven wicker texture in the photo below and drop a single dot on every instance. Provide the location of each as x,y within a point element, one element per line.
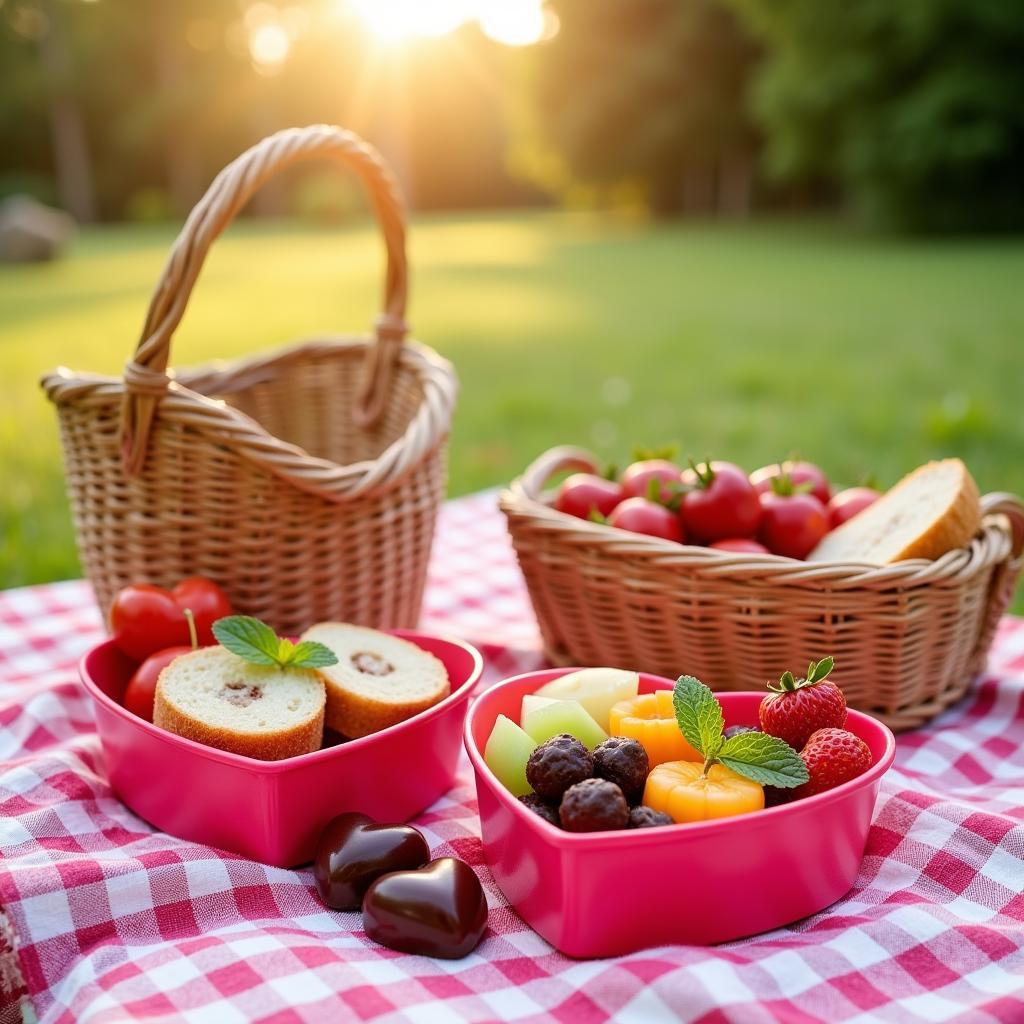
<point>306,482</point>
<point>908,638</point>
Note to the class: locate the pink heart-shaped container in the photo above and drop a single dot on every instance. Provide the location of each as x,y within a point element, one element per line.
<point>608,893</point>
<point>274,811</point>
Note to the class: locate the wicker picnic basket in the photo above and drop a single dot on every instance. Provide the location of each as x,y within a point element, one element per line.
<point>908,638</point>
<point>307,481</point>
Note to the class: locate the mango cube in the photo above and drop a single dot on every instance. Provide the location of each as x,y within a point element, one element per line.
<point>507,751</point>
<point>563,716</point>
<point>596,689</point>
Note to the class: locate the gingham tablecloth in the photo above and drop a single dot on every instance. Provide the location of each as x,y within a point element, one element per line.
<point>106,920</point>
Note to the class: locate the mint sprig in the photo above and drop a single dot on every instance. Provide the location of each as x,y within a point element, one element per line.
<point>258,644</point>
<point>754,755</point>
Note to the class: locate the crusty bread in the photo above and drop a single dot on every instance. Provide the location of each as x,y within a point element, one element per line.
<point>929,512</point>
<point>379,679</point>
<point>214,697</point>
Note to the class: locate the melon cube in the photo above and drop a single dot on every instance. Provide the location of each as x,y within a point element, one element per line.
<point>531,702</point>
<point>564,716</point>
<point>597,689</point>
<point>507,751</point>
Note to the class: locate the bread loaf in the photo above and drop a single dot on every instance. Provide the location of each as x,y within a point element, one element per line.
<point>379,679</point>
<point>929,512</point>
<point>214,697</point>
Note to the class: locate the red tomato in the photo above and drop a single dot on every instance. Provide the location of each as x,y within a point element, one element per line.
<point>846,504</point>
<point>793,524</point>
<point>741,545</point>
<point>141,689</point>
<point>639,515</point>
<point>207,603</point>
<point>722,504</point>
<point>798,473</point>
<point>582,493</point>
<point>636,480</point>
<point>145,619</point>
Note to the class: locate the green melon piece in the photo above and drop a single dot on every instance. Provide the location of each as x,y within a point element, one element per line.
<point>531,702</point>
<point>597,689</point>
<point>507,751</point>
<point>564,716</point>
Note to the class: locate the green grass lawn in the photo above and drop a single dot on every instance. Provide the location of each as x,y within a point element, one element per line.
<point>747,342</point>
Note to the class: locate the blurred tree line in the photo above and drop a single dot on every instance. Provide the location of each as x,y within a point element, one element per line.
<point>910,113</point>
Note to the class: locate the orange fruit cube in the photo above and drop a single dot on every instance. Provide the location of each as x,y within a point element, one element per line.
<point>651,719</point>
<point>685,793</point>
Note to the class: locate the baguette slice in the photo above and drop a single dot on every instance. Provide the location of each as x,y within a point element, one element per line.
<point>214,697</point>
<point>931,511</point>
<point>379,679</point>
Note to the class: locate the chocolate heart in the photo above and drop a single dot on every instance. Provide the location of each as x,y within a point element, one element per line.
<point>354,850</point>
<point>439,910</point>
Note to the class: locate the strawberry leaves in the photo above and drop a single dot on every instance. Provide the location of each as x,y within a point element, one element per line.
<point>258,644</point>
<point>754,755</point>
<point>817,671</point>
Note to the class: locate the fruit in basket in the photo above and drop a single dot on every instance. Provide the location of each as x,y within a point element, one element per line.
<point>832,756</point>
<point>506,753</point>
<point>792,523</point>
<point>563,716</point>
<point>740,546</point>
<point>540,807</point>
<point>582,494</point>
<point>353,851</point>
<point>931,511</point>
<point>650,718</point>
<point>647,817</point>
<point>798,707</point>
<point>557,764</point>
<point>145,619</point>
<point>640,515</point>
<point>720,503</point>
<point>593,805</point>
<point>622,760</point>
<point>685,792</point>
<point>800,474</point>
<point>597,689</point>
<point>439,910</point>
<point>656,478</point>
<point>846,504</point>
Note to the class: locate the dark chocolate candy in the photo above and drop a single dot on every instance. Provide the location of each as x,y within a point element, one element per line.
<point>354,850</point>
<point>439,910</point>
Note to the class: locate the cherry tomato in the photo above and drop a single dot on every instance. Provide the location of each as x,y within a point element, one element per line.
<point>145,619</point>
<point>798,473</point>
<point>639,515</point>
<point>206,601</point>
<point>741,545</point>
<point>141,689</point>
<point>792,524</point>
<point>583,493</point>
<point>846,504</point>
<point>722,504</point>
<point>636,480</point>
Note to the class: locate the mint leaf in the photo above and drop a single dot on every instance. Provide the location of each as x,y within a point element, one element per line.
<point>765,759</point>
<point>699,715</point>
<point>311,654</point>
<point>249,638</point>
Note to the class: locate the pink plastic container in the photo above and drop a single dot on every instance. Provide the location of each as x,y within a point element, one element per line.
<point>609,893</point>
<point>274,811</point>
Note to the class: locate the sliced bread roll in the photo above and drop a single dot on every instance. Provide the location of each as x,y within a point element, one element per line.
<point>379,679</point>
<point>214,697</point>
<point>929,512</point>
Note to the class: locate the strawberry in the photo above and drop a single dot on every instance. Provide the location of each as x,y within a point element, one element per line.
<point>798,707</point>
<point>832,756</point>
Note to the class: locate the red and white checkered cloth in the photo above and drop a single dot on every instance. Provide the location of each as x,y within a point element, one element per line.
<point>106,920</point>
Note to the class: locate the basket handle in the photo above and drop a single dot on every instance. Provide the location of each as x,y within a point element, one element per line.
<point>145,375</point>
<point>1009,505</point>
<point>555,460</point>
